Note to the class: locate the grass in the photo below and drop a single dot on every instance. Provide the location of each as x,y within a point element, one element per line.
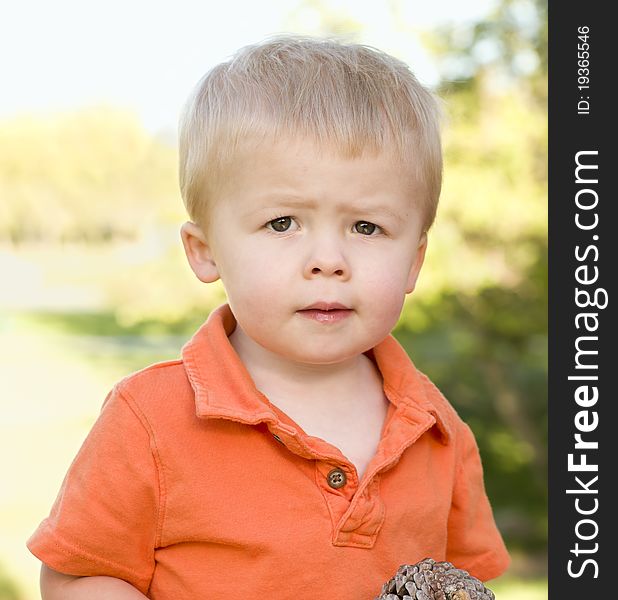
<point>510,587</point>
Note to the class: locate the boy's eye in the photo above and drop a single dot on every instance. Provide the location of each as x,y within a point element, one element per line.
<point>365,227</point>
<point>281,224</point>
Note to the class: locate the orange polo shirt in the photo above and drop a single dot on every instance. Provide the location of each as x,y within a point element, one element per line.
<point>192,485</point>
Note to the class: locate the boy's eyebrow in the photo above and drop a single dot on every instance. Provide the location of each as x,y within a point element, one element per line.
<point>292,202</point>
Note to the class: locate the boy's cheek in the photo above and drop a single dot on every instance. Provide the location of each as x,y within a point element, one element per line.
<point>259,284</point>
<point>386,279</point>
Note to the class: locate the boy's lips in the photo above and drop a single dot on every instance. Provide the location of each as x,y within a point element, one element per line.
<point>323,305</point>
<point>325,312</point>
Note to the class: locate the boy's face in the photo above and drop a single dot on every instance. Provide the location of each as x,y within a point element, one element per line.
<point>294,226</point>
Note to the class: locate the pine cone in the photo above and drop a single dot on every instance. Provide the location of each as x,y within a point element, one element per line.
<point>431,580</point>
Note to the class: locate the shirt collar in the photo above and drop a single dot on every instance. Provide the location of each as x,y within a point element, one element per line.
<point>224,388</point>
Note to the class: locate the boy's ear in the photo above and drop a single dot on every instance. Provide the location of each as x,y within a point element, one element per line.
<point>199,253</point>
<point>417,264</point>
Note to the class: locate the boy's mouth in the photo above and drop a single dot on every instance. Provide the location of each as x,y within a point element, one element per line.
<point>326,312</point>
<point>326,306</point>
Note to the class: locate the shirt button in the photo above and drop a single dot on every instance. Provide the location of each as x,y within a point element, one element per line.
<point>336,478</point>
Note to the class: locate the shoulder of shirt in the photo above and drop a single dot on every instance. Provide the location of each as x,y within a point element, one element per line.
<point>157,387</point>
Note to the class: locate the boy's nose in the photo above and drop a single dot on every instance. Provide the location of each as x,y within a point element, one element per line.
<point>327,259</point>
<point>326,271</point>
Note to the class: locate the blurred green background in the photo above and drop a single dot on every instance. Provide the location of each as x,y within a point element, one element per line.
<point>95,283</point>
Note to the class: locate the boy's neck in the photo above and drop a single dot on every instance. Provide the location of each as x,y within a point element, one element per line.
<point>278,377</point>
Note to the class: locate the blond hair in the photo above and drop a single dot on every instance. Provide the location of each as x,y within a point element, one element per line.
<point>349,97</point>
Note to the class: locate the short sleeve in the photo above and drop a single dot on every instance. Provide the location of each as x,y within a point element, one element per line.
<point>105,518</point>
<point>474,542</point>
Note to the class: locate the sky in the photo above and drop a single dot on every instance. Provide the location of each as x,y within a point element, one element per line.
<point>147,55</point>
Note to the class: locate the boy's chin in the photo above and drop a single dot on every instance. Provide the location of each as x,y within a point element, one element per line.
<point>325,354</point>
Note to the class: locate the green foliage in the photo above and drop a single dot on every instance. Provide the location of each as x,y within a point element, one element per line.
<point>510,45</point>
<point>92,176</point>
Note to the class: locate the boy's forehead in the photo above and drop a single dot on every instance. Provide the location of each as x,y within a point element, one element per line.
<point>291,160</point>
<point>298,176</point>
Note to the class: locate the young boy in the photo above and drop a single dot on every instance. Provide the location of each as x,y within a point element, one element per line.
<point>294,451</point>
